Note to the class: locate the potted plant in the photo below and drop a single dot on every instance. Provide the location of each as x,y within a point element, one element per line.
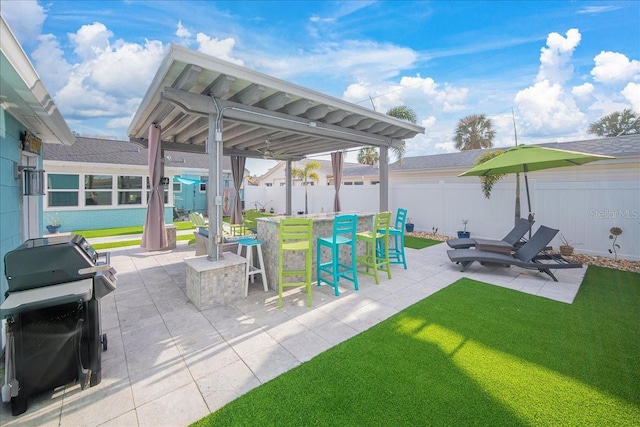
<point>464,234</point>
<point>409,225</point>
<point>566,248</point>
<point>54,224</point>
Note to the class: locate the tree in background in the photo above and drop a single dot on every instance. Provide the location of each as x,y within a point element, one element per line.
<point>401,112</point>
<point>618,123</point>
<point>308,172</point>
<point>474,132</point>
<point>487,182</point>
<point>368,156</point>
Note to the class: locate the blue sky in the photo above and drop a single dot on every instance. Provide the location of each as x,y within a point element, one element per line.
<point>558,65</point>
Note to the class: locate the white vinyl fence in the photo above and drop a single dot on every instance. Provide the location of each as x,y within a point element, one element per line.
<point>583,211</point>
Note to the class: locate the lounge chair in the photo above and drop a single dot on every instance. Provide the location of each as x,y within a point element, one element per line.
<point>198,220</point>
<point>513,239</point>
<point>528,256</point>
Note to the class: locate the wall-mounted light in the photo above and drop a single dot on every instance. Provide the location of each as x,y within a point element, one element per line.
<point>32,179</point>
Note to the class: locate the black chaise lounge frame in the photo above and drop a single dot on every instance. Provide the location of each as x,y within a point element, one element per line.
<point>514,238</point>
<point>529,256</point>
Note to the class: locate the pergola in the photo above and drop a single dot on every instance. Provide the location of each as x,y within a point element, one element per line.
<point>207,105</point>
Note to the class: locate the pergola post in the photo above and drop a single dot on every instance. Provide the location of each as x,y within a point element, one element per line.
<point>214,199</point>
<point>288,184</point>
<point>384,178</point>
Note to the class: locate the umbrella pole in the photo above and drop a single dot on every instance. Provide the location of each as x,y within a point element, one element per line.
<point>526,183</point>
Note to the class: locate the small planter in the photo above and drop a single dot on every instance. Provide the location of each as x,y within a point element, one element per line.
<point>409,227</point>
<point>566,250</point>
<point>53,228</point>
<point>464,234</point>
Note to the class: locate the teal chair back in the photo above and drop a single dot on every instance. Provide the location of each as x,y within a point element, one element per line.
<point>345,226</point>
<point>401,219</point>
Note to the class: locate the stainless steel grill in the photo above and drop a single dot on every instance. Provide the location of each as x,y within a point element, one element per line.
<point>52,309</point>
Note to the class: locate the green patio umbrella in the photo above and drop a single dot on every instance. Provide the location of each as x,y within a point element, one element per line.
<point>526,158</point>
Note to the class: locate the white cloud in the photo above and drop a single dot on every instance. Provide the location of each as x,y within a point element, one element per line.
<point>613,67</point>
<point>91,39</point>
<point>632,93</point>
<point>25,18</point>
<point>554,59</point>
<point>593,10</point>
<point>362,61</point>
<point>424,95</point>
<point>120,122</point>
<point>219,48</point>
<point>182,31</point>
<point>49,57</point>
<point>583,91</point>
<point>109,80</point>
<point>546,110</point>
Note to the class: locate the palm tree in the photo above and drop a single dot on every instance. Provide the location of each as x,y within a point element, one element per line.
<point>487,182</point>
<point>305,174</point>
<point>401,112</point>
<point>474,132</point>
<point>368,156</point>
<point>618,123</point>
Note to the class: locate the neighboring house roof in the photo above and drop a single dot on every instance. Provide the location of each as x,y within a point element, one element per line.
<point>620,146</point>
<point>110,151</point>
<point>23,94</point>
<point>349,169</point>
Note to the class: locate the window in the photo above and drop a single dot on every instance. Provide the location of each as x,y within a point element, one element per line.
<point>203,185</point>
<point>348,183</point>
<point>358,183</point>
<point>98,189</point>
<point>166,192</point>
<point>177,187</point>
<point>129,190</point>
<point>63,189</point>
<point>268,184</point>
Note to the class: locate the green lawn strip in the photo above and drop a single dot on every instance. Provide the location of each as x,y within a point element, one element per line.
<point>120,244</point>
<point>123,231</point>
<point>418,242</point>
<point>471,354</point>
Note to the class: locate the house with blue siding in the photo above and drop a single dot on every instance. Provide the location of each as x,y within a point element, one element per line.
<point>103,183</point>
<point>28,118</point>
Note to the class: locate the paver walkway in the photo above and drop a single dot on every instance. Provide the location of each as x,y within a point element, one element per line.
<point>170,364</point>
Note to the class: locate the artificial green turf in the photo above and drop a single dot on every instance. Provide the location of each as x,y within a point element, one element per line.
<point>120,244</point>
<point>471,354</point>
<point>123,231</point>
<point>418,242</point>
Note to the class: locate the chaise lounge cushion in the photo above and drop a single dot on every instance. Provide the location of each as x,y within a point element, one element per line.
<point>512,239</point>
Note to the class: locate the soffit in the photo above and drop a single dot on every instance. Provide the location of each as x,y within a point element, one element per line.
<point>24,96</point>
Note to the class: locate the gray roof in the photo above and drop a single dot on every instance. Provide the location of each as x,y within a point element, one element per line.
<point>620,146</point>
<point>110,151</point>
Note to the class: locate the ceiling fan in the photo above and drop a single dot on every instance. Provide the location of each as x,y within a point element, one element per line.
<point>267,153</point>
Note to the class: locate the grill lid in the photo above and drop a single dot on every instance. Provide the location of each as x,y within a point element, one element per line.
<point>48,261</point>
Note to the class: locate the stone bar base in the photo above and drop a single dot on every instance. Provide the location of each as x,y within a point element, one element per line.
<point>171,236</point>
<point>212,283</point>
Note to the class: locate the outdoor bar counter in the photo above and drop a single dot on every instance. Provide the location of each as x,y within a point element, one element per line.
<point>269,234</point>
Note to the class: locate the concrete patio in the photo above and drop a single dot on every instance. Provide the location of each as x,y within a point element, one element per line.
<point>170,364</point>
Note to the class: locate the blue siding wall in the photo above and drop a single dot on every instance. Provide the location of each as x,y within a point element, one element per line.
<point>10,215</point>
<point>92,219</point>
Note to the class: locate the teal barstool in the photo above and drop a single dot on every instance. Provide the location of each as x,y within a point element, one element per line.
<point>252,270</point>
<point>396,233</point>
<point>344,234</point>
